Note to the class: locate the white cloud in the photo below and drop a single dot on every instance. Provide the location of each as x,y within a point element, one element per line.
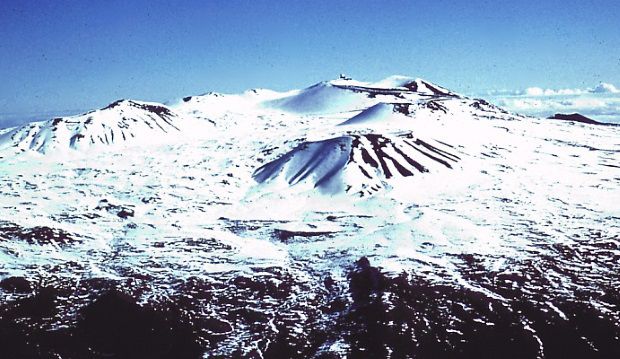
<point>601,102</point>
<point>517,104</point>
<point>559,104</point>
<point>604,87</point>
<point>584,103</point>
<point>535,91</point>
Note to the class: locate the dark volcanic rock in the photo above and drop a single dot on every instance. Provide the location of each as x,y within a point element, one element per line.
<point>371,314</point>
<point>410,316</point>
<point>217,326</point>
<point>16,284</point>
<point>575,117</point>
<point>285,235</point>
<point>125,213</point>
<point>485,106</point>
<point>121,211</point>
<point>13,342</point>
<point>115,326</point>
<point>114,104</point>
<point>364,280</point>
<point>40,305</point>
<point>34,235</point>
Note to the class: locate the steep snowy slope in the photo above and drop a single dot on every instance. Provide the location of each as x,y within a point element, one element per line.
<point>324,97</point>
<point>361,164</point>
<point>368,137</point>
<point>343,95</point>
<point>402,85</point>
<point>379,112</point>
<point>124,122</point>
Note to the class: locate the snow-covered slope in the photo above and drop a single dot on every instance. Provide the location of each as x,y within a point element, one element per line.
<point>473,223</point>
<point>324,97</point>
<point>124,122</point>
<point>343,95</point>
<point>361,164</point>
<point>379,112</point>
<point>361,138</point>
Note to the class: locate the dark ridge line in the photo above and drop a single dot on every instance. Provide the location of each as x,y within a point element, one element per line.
<point>384,167</point>
<point>367,158</point>
<point>413,86</point>
<point>432,148</point>
<point>446,144</point>
<point>364,171</point>
<point>436,106</point>
<point>157,123</point>
<point>159,110</point>
<point>376,146</point>
<point>437,150</point>
<point>74,139</point>
<point>434,89</point>
<point>370,90</point>
<point>165,118</point>
<point>443,162</point>
<point>113,104</point>
<point>577,117</point>
<point>400,168</point>
<point>411,161</point>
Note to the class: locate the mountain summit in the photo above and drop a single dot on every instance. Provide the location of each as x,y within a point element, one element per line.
<point>347,219</point>
<point>121,122</point>
<point>337,136</point>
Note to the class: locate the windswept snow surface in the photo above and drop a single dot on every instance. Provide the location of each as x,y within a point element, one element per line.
<point>375,113</point>
<point>487,234</point>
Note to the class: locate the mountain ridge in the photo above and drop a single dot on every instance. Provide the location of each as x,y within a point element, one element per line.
<point>337,136</point>
<point>121,121</point>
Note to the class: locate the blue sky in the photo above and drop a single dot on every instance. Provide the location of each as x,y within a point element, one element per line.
<point>71,55</point>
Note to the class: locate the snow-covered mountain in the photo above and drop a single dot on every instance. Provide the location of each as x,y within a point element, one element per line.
<point>365,136</point>
<point>121,122</point>
<point>360,164</point>
<point>352,219</point>
<point>348,95</point>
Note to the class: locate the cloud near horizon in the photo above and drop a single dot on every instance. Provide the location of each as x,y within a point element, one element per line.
<point>601,102</point>
<point>601,88</point>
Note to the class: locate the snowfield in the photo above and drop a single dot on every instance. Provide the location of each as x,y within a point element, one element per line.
<point>348,219</point>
